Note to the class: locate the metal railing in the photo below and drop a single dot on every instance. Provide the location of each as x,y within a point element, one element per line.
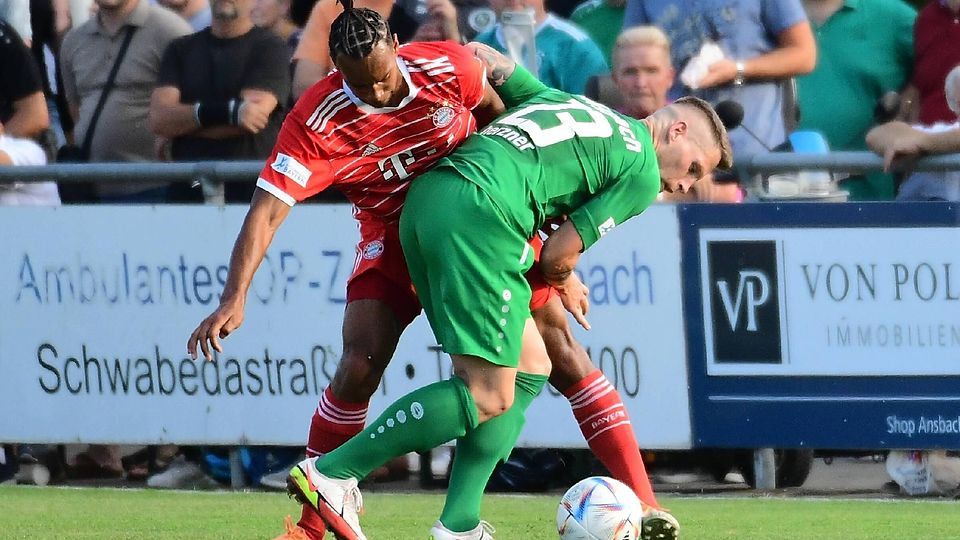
<point>226,171</point>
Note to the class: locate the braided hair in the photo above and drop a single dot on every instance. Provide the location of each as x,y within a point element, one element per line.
<point>356,31</point>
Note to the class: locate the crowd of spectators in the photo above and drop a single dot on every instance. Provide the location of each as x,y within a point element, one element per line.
<point>191,80</point>
<point>212,79</point>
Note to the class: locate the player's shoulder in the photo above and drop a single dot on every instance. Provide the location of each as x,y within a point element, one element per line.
<point>425,51</point>
<point>327,88</point>
<point>444,66</point>
<point>332,82</point>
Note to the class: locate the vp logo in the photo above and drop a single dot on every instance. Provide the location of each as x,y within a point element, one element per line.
<point>753,291</point>
<point>742,311</point>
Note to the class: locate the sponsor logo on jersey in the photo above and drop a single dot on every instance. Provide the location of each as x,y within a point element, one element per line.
<point>606,226</point>
<point>370,149</point>
<point>373,250</point>
<point>291,168</point>
<point>443,116</point>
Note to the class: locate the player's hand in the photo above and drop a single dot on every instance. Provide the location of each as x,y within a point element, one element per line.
<point>719,72</point>
<point>575,298</point>
<point>220,324</point>
<point>252,116</point>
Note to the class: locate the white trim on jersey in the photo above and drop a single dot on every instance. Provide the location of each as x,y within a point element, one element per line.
<point>435,66</point>
<point>275,191</point>
<point>321,110</point>
<point>360,148</point>
<point>369,109</point>
<point>318,121</point>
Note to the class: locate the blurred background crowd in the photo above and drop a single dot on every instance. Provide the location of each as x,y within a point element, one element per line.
<point>98,81</point>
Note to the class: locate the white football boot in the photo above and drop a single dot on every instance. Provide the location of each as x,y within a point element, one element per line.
<point>483,531</point>
<point>337,502</point>
<point>659,525</point>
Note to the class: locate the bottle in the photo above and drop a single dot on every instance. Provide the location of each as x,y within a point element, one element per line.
<point>519,36</point>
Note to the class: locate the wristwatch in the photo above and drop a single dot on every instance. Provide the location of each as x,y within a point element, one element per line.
<point>741,73</point>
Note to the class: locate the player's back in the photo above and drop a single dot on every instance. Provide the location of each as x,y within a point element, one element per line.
<point>331,137</point>
<point>555,151</point>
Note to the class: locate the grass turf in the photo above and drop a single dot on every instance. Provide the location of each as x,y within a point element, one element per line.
<point>70,513</point>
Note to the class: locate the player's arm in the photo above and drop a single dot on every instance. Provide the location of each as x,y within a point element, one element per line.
<point>264,217</point>
<point>559,257</point>
<point>513,83</point>
<point>490,107</point>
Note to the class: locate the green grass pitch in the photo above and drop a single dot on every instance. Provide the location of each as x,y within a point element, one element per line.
<point>70,513</point>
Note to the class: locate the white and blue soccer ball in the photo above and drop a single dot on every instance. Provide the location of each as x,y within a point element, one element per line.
<point>599,508</point>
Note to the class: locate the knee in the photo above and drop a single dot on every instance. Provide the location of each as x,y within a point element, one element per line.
<point>569,359</point>
<point>358,373</point>
<point>492,402</point>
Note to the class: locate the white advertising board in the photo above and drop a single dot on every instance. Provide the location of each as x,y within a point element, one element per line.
<point>96,304</point>
<point>832,302</point>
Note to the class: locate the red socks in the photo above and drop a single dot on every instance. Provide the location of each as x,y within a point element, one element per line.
<point>606,427</point>
<point>334,423</point>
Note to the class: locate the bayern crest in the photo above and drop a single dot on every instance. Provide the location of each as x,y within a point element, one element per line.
<point>443,116</point>
<point>372,250</point>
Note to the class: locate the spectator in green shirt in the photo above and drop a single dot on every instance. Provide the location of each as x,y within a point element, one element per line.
<point>597,18</point>
<point>865,50</point>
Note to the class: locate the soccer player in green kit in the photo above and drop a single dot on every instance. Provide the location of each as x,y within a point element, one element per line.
<point>464,231</point>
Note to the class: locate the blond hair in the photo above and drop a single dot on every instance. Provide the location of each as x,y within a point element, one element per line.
<point>643,35</point>
<point>717,129</point>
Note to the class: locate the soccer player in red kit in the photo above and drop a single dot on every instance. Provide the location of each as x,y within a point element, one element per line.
<point>387,114</point>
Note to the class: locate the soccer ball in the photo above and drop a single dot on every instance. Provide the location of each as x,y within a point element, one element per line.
<point>599,508</point>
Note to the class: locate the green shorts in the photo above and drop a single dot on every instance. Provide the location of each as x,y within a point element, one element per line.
<point>467,266</point>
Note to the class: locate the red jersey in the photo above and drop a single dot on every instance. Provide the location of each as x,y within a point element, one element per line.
<point>372,154</point>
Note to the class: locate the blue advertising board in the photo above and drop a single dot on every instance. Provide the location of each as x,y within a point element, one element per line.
<point>823,325</point>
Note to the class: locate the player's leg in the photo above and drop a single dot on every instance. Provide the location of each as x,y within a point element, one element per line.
<point>371,331</point>
<point>370,335</point>
<point>380,305</point>
<point>477,301</point>
<point>596,404</point>
<point>481,449</point>
<point>419,421</point>
<point>592,398</point>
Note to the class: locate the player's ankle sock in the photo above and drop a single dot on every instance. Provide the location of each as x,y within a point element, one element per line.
<point>334,422</point>
<point>419,421</point>
<point>478,453</point>
<point>311,523</point>
<point>606,426</point>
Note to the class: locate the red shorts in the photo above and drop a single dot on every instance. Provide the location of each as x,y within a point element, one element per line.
<point>380,273</point>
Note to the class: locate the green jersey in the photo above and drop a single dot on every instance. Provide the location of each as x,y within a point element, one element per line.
<point>558,154</point>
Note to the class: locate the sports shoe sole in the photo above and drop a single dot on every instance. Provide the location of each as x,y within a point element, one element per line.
<point>658,528</point>
<point>335,523</point>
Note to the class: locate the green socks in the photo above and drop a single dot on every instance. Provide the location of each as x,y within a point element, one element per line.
<point>479,452</point>
<point>417,422</point>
